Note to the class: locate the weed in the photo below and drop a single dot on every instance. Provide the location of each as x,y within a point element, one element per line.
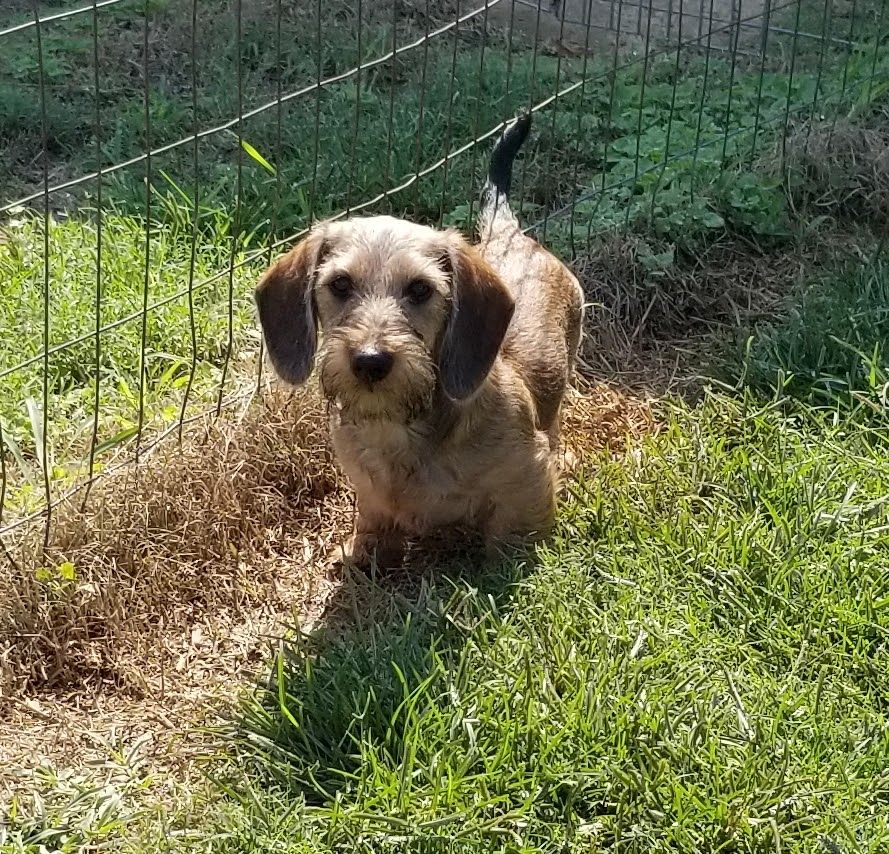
<point>71,811</point>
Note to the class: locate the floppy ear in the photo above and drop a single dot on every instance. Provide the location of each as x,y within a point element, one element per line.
<point>481,310</point>
<point>286,314</point>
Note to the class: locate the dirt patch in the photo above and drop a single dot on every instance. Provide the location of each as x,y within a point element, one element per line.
<point>576,24</point>
<point>190,680</point>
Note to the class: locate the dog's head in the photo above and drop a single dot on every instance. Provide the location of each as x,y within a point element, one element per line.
<point>402,308</point>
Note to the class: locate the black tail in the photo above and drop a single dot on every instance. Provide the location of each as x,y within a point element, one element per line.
<point>500,169</point>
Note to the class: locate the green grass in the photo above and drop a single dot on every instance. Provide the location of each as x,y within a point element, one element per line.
<point>698,662</point>
<point>830,350</point>
<point>173,363</point>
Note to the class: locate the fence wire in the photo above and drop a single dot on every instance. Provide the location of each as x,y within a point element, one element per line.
<point>220,132</point>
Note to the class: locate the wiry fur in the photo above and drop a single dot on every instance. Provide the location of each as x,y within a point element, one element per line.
<point>464,429</point>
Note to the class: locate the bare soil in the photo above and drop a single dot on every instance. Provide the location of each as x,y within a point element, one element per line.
<point>575,24</point>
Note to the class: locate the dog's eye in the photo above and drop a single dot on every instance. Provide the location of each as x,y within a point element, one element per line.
<point>341,287</point>
<point>418,291</point>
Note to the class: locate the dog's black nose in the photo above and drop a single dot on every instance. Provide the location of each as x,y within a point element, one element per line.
<point>372,365</point>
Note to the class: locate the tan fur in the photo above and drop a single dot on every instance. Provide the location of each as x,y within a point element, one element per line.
<point>418,458</point>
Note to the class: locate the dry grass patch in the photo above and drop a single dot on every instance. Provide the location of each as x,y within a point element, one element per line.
<point>200,529</point>
<point>840,168</point>
<point>641,289</point>
<point>655,311</point>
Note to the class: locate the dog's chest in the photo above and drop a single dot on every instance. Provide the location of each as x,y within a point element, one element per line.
<point>393,468</point>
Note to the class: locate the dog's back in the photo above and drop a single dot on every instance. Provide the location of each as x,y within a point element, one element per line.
<point>542,341</point>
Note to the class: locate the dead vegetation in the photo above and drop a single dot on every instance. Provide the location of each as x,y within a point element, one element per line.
<point>598,417</point>
<point>203,528</point>
<point>840,169</point>
<point>646,301</point>
<point>658,315</point>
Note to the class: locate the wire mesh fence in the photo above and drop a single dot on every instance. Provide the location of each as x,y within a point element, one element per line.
<point>157,153</point>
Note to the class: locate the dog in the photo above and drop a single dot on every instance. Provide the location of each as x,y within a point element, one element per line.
<point>444,363</point>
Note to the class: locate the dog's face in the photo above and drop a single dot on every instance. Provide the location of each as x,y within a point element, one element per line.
<point>401,308</point>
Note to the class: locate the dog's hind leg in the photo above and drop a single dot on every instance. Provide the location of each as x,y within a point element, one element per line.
<point>525,502</point>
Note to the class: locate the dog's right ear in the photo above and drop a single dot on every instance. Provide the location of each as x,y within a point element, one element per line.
<point>286,311</point>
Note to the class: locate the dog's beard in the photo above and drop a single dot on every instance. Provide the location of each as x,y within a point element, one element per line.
<point>405,394</point>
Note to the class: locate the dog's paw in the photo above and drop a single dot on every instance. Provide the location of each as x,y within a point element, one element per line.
<point>367,550</point>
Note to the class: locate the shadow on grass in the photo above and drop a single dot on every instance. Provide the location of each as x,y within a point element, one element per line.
<point>389,648</point>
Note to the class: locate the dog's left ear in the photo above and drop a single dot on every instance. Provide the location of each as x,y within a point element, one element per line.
<point>481,311</point>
